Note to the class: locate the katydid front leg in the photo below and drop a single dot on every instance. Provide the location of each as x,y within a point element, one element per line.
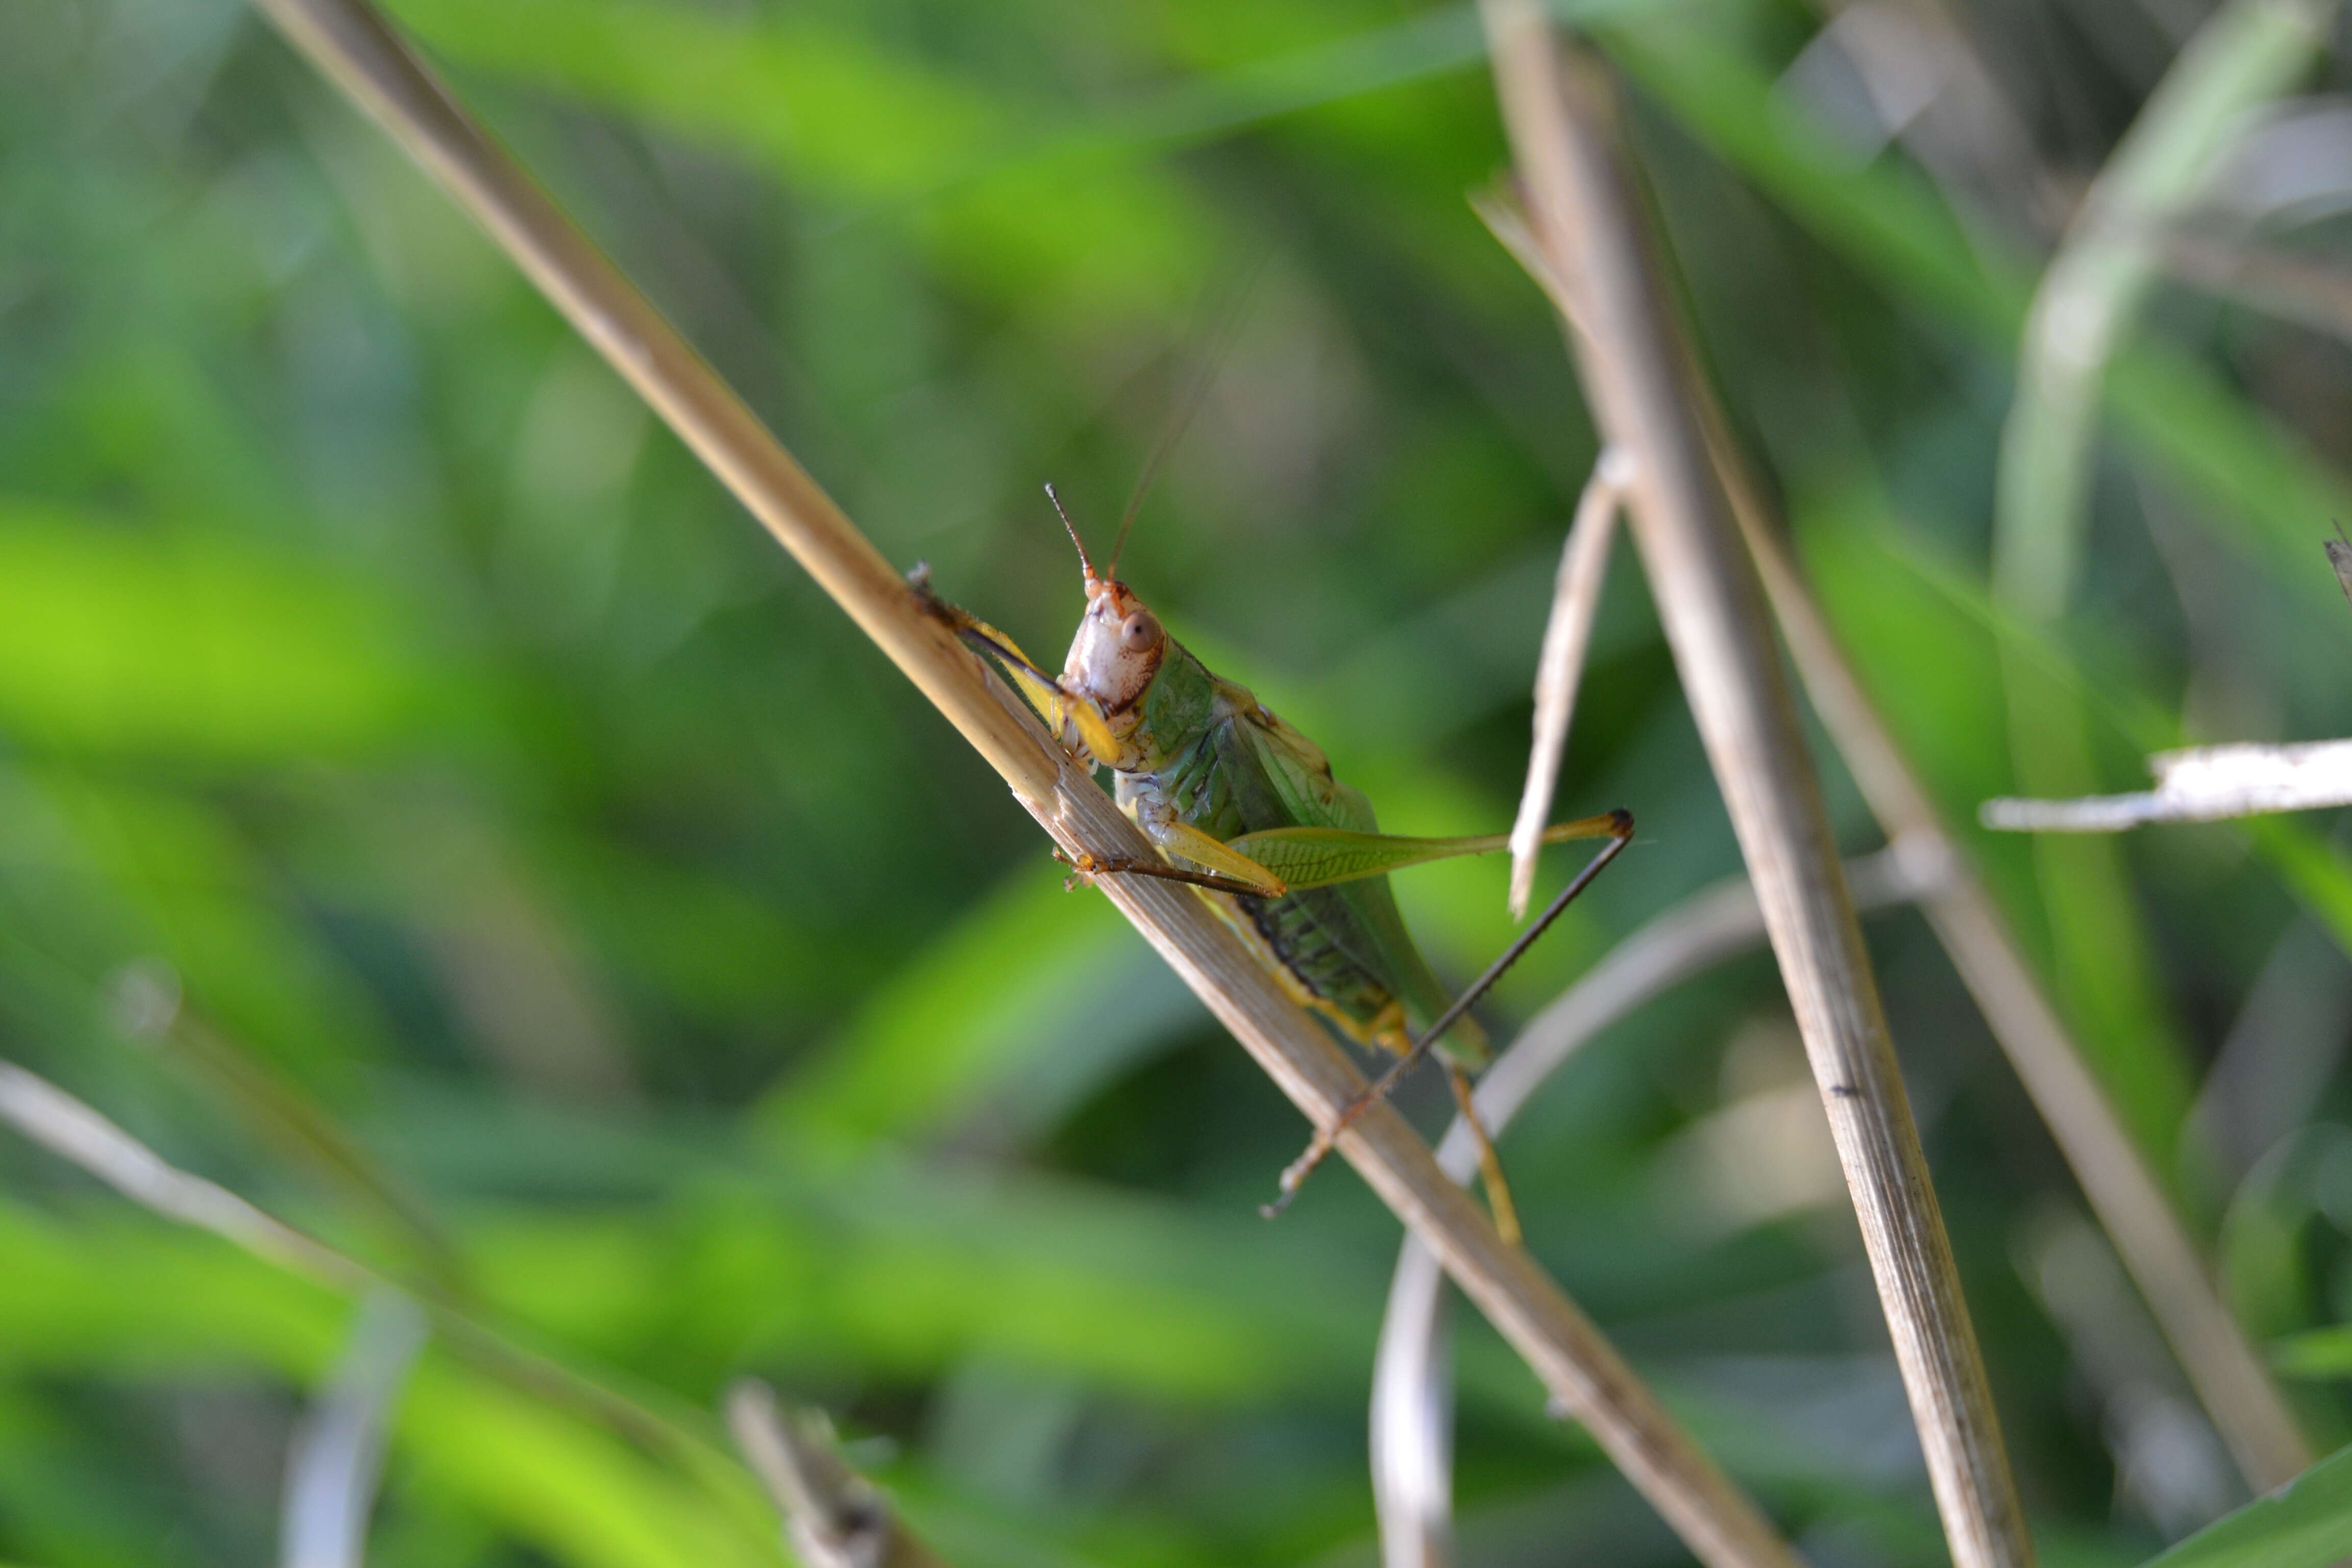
<point>1063,712</point>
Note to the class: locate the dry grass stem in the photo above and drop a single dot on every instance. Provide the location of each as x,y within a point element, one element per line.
<point>75,1132</point>
<point>2229,1376</point>
<point>354,48</point>
<point>1560,668</point>
<point>79,1134</point>
<point>2201,784</point>
<point>1559,107</point>
<point>1576,1364</point>
<point>1412,1425</point>
<point>2222,1364</point>
<point>337,1456</point>
<point>833,1517</point>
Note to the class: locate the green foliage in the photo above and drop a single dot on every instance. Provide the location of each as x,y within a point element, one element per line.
<point>2305,1524</point>
<point>574,917</point>
<point>142,644</point>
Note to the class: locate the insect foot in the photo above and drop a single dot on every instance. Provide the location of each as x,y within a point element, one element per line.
<point>927,598</point>
<point>1084,870</point>
<point>1295,1175</point>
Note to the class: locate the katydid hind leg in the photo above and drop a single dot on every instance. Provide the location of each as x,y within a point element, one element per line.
<point>1490,1164</point>
<point>1295,1174</point>
<point>1322,855</point>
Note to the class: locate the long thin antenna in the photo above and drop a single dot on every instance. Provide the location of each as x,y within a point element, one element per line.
<point>1212,364</point>
<point>1072,529</point>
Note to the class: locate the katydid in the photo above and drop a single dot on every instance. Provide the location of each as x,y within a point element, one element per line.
<point>1291,860</point>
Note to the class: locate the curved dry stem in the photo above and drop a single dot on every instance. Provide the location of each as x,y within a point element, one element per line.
<point>1559,107</point>
<point>1560,667</point>
<point>336,1459</point>
<point>80,1135</point>
<point>354,45</point>
<point>1411,1426</point>
<point>1412,1417</point>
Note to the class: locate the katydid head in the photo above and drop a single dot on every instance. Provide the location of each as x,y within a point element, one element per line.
<point>1117,651</point>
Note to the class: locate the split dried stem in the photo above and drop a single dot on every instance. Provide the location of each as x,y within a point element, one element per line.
<point>1560,667</point>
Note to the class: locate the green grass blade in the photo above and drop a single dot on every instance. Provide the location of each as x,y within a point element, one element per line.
<point>2306,1523</point>
<point>2266,491</point>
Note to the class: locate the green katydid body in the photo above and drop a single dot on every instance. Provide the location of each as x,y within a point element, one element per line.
<point>1292,859</point>
<point>1205,752</point>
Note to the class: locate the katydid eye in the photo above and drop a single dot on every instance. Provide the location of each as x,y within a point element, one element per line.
<point>1139,631</point>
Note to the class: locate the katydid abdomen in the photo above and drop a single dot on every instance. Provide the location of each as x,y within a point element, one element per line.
<point>1208,753</point>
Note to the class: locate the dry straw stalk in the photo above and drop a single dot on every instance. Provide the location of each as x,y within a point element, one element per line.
<point>833,1517</point>
<point>2222,1366</point>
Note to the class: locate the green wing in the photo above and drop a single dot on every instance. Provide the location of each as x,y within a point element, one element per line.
<point>1321,857</point>
<point>1284,799</point>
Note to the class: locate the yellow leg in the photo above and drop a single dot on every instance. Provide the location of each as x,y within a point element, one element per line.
<point>1188,843</point>
<point>1061,711</point>
<point>1490,1168</point>
<point>1226,871</point>
<point>1227,868</point>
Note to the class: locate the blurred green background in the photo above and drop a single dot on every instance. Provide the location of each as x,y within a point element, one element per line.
<point>568,906</point>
